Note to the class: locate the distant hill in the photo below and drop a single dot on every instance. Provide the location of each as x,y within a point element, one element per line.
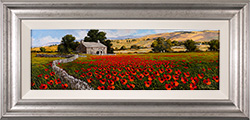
<point>48,48</point>
<point>146,41</point>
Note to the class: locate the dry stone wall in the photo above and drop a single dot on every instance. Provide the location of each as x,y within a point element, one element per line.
<point>74,83</point>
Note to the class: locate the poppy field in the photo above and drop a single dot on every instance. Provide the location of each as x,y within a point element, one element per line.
<point>156,71</point>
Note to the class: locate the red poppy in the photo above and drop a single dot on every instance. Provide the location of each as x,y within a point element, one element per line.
<point>58,81</point>
<point>99,76</point>
<point>175,83</point>
<point>43,86</point>
<point>184,80</point>
<point>169,70</point>
<point>108,76</point>
<point>133,72</point>
<point>150,78</point>
<point>76,71</point>
<point>194,80</point>
<point>46,69</point>
<point>168,86</point>
<point>130,86</point>
<point>111,87</point>
<point>103,81</point>
<point>46,76</point>
<point>150,69</point>
<point>111,82</point>
<point>32,83</point>
<point>162,80</point>
<point>140,76</point>
<point>52,73</point>
<point>192,86</point>
<point>175,77</point>
<point>64,86</point>
<point>216,78</point>
<point>168,77</point>
<point>161,71</point>
<point>147,84</point>
<point>208,68</point>
<point>114,73</point>
<point>122,75</point>
<point>146,73</point>
<point>124,81</point>
<point>83,75</point>
<point>101,88</point>
<point>207,81</point>
<point>131,78</point>
<point>90,80</point>
<point>89,74</point>
<point>40,75</point>
<point>187,74</point>
<point>156,73</point>
<point>178,72</point>
<point>201,75</point>
<point>119,69</point>
<point>203,69</point>
<point>50,82</point>
<point>116,78</point>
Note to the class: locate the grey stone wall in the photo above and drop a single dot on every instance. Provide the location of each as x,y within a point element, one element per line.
<point>74,83</point>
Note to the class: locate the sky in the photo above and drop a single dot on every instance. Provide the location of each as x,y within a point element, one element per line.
<point>44,37</point>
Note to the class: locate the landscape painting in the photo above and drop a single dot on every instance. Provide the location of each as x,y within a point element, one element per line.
<point>125,59</point>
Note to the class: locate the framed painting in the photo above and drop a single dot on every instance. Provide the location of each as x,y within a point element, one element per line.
<point>110,59</point>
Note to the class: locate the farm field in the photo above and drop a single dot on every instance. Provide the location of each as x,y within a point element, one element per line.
<point>154,71</point>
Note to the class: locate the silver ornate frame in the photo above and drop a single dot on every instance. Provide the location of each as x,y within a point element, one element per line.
<point>14,11</point>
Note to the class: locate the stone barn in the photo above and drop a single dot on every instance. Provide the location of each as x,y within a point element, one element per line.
<point>94,48</point>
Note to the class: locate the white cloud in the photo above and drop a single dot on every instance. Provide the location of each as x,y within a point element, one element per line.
<point>81,34</point>
<point>118,33</point>
<point>44,41</point>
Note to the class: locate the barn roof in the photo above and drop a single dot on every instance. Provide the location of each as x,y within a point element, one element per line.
<point>92,44</point>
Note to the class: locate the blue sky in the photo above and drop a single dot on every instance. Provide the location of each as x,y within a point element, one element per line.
<point>43,37</point>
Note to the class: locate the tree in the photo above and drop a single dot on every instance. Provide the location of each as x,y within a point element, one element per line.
<point>67,44</point>
<point>214,45</point>
<point>190,45</point>
<point>135,47</point>
<point>94,36</point>
<point>168,45</point>
<point>175,43</point>
<point>158,45</point>
<point>123,48</point>
<point>42,49</point>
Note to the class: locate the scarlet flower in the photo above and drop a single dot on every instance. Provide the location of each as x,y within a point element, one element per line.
<point>178,72</point>
<point>90,80</point>
<point>150,69</point>
<point>146,73</point>
<point>124,81</point>
<point>131,78</point>
<point>46,69</point>
<point>116,78</point>
<point>119,69</point>
<point>58,81</point>
<point>101,88</point>
<point>46,76</point>
<point>108,76</point>
<point>114,73</point>
<point>168,86</point>
<point>156,73</point>
<point>111,82</point>
<point>140,76</point>
<point>50,82</point>
<point>52,73</point>
<point>201,75</point>
<point>161,71</point>
<point>175,83</point>
<point>122,75</point>
<point>103,81</point>
<point>43,86</point>
<point>187,74</point>
<point>76,71</point>
<point>64,86</point>
<point>168,77</point>
<point>216,78</point>
<point>111,87</point>
<point>207,81</point>
<point>83,75</point>
<point>130,86</point>
<point>32,83</point>
<point>98,76</point>
<point>184,80</point>
<point>150,78</point>
<point>203,69</point>
<point>89,74</point>
<point>133,72</point>
<point>40,75</point>
<point>208,68</point>
<point>147,84</point>
<point>175,77</point>
<point>169,70</point>
<point>162,80</point>
<point>194,80</point>
<point>192,86</point>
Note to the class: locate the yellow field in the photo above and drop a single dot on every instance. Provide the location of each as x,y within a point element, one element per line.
<point>52,48</point>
